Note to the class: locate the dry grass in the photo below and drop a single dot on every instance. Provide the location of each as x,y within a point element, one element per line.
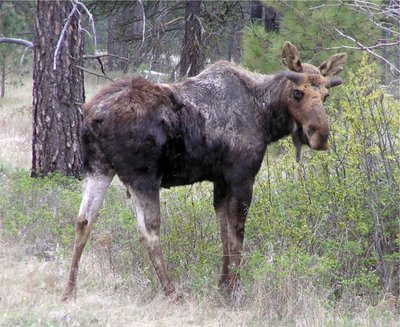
<point>30,290</point>
<point>16,126</point>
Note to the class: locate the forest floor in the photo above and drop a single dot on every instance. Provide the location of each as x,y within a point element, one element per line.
<point>31,288</point>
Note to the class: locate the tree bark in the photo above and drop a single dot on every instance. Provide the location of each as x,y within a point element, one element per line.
<point>192,59</point>
<point>57,94</point>
<point>110,42</point>
<point>271,20</point>
<point>256,11</point>
<point>120,33</point>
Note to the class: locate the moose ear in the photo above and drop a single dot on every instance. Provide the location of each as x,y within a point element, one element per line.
<point>291,57</point>
<point>333,65</point>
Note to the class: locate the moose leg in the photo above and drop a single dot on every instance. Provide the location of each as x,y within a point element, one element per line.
<point>221,210</point>
<point>148,217</point>
<point>95,186</point>
<point>237,207</point>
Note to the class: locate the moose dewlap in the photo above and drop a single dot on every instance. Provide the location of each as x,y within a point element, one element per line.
<point>216,127</point>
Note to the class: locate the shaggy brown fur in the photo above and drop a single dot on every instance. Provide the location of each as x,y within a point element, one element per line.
<point>215,126</point>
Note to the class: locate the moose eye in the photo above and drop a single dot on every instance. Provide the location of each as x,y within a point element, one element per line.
<point>298,95</point>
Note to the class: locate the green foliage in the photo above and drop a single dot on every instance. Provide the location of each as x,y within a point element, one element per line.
<point>338,209</point>
<point>39,211</point>
<point>12,23</point>
<point>190,236</point>
<point>310,26</point>
<point>261,49</point>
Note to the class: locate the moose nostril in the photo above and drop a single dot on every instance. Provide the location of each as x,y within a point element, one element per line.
<point>321,133</point>
<point>324,137</point>
<point>311,129</point>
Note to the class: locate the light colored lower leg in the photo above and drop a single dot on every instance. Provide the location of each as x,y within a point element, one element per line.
<point>94,189</point>
<point>148,218</point>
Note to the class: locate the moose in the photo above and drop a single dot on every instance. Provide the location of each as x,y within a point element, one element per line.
<point>212,127</point>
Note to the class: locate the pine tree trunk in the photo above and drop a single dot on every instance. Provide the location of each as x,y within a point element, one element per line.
<point>192,60</point>
<point>256,11</point>
<point>110,42</point>
<point>271,20</point>
<point>120,32</point>
<point>56,143</point>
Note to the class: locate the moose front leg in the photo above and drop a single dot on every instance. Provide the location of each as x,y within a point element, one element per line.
<point>237,208</point>
<point>231,205</point>
<point>148,217</point>
<point>221,210</point>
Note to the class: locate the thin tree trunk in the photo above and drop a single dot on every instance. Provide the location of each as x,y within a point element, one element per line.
<point>110,42</point>
<point>3,77</point>
<point>56,143</point>
<point>192,59</point>
<point>271,20</point>
<point>256,11</point>
<point>120,32</point>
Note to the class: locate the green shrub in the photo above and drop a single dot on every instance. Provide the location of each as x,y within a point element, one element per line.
<point>340,208</point>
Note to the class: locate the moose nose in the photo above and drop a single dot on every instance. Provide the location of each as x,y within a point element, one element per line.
<point>318,137</point>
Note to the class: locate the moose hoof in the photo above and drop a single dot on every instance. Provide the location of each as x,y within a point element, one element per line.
<point>230,287</point>
<point>175,298</point>
<point>68,295</point>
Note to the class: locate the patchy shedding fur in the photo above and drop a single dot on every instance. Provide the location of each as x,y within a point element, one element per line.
<point>215,126</point>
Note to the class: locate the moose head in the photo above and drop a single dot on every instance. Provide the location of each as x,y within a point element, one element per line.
<point>309,88</point>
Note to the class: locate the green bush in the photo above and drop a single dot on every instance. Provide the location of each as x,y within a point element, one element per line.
<point>39,212</point>
<point>339,210</point>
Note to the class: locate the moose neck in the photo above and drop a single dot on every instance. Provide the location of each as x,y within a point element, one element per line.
<point>272,95</point>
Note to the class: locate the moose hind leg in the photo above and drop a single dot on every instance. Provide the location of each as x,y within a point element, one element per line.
<point>94,189</point>
<point>148,217</point>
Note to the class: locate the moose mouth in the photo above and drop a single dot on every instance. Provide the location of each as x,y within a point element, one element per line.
<point>299,138</point>
<point>303,136</point>
<point>316,141</point>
